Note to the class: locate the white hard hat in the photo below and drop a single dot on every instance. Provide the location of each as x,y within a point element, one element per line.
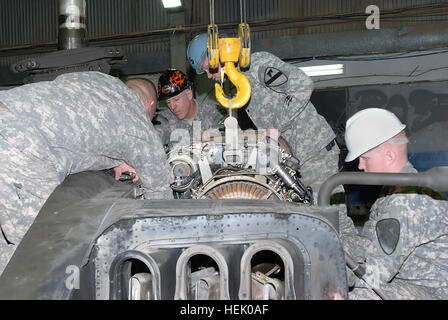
<point>368,129</point>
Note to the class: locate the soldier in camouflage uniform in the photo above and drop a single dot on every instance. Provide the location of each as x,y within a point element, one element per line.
<point>404,244</point>
<point>281,99</point>
<point>186,116</point>
<point>78,122</point>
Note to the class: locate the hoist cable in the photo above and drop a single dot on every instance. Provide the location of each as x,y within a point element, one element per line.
<point>212,12</point>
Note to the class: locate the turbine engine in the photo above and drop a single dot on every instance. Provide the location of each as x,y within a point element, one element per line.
<point>253,166</point>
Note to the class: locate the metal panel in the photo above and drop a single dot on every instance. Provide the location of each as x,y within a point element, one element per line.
<point>26,21</point>
<point>227,12</point>
<point>333,7</point>
<point>112,17</point>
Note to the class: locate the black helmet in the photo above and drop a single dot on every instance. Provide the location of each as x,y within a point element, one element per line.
<point>171,83</point>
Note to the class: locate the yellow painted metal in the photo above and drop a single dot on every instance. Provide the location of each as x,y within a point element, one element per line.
<point>213,46</point>
<point>229,49</point>
<point>229,55</point>
<point>244,35</point>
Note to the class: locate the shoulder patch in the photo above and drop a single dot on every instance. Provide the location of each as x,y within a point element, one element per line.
<point>388,233</point>
<point>273,77</point>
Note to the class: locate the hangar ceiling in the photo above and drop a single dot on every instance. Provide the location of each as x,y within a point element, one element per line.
<point>154,38</point>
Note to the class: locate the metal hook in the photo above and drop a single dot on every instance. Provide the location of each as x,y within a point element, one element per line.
<point>230,49</point>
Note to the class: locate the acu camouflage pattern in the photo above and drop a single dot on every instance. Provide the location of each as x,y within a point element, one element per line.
<point>281,96</point>
<point>418,267</point>
<point>78,122</point>
<point>207,117</point>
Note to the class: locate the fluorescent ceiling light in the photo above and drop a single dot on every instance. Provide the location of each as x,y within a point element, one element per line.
<point>171,3</point>
<point>325,70</point>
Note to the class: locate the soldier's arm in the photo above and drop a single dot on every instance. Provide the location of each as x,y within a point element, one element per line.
<point>397,233</point>
<point>147,157</point>
<point>298,88</point>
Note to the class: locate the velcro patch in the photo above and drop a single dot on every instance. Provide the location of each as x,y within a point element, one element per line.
<point>274,77</point>
<point>388,233</point>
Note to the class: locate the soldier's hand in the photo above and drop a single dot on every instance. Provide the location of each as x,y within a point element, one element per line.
<point>125,168</point>
<point>334,293</point>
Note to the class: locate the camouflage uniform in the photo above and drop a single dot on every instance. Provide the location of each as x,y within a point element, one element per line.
<point>415,266</point>
<point>280,96</point>
<point>207,117</point>
<point>78,122</point>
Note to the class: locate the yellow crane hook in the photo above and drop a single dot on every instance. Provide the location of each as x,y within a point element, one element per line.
<point>229,54</point>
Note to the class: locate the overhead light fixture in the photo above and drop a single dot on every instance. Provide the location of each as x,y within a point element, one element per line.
<point>171,3</point>
<point>325,70</point>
